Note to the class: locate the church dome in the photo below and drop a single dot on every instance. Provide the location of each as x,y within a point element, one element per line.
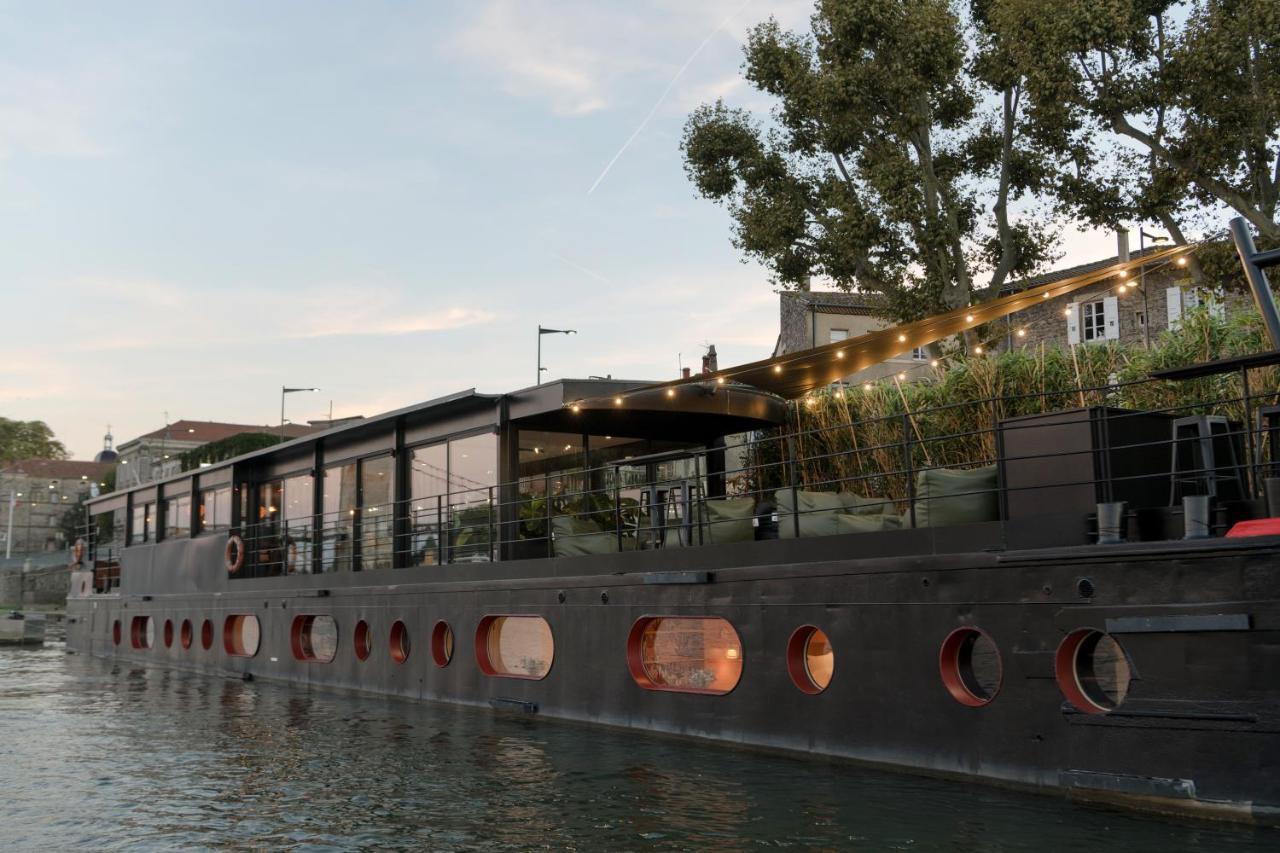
<point>107,453</point>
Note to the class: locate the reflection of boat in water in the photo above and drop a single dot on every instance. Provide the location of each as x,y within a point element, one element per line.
<point>668,557</point>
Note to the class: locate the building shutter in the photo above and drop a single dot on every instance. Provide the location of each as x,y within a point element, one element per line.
<point>1190,299</point>
<point>1173,300</point>
<point>1111,316</point>
<point>1073,324</point>
<point>1218,304</point>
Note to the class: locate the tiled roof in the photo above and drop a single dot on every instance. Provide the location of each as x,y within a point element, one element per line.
<point>1069,272</point>
<point>833,301</point>
<point>58,469</point>
<point>204,432</point>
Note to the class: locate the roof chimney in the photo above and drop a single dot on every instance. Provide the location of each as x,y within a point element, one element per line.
<point>685,371</point>
<point>709,361</point>
<point>1122,244</point>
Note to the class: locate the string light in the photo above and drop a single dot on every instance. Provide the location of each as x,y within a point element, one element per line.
<point>977,350</point>
<point>902,376</point>
<point>719,380</point>
<point>839,353</point>
<point>777,368</point>
<point>1124,273</point>
<point>866,387</point>
<point>1044,295</point>
<point>933,363</point>
<point>1022,333</point>
<point>968,318</point>
<point>1182,261</point>
<point>902,339</point>
<point>617,401</point>
<point>1066,312</point>
<point>575,408</point>
<point>671,392</point>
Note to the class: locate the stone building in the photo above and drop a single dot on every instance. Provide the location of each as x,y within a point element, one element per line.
<point>35,494</point>
<point>812,318</point>
<point>156,454</point>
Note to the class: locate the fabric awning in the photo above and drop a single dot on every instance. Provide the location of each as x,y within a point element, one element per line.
<point>799,373</point>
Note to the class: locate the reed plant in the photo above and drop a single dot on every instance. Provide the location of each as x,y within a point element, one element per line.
<point>870,439</point>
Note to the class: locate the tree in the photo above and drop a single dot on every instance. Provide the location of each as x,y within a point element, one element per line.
<point>1163,108</point>
<point>28,440</point>
<point>892,163</point>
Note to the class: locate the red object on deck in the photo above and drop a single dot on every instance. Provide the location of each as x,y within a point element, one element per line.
<point>1256,527</point>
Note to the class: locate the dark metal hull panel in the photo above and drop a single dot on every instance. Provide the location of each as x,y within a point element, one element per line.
<point>1199,731</point>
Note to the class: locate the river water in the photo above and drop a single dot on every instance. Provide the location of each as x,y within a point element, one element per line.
<point>101,755</point>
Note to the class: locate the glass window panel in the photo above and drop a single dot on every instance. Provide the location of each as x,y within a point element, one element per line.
<point>339,509</point>
<point>215,509</point>
<point>473,465</point>
<point>377,512</point>
<point>517,647</point>
<point>265,546</point>
<point>177,517</point>
<point>138,525</point>
<point>428,480</point>
<point>299,524</point>
<point>686,654</point>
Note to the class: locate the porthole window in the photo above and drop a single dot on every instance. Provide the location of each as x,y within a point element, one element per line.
<point>185,634</point>
<point>399,645</point>
<point>515,646</point>
<point>168,633</point>
<point>142,632</point>
<point>1093,671</point>
<point>206,635</point>
<point>241,635</point>
<point>970,666</point>
<point>685,654</point>
<point>361,640</point>
<point>314,638</point>
<point>810,659</point>
<point>442,644</point>
<point>115,632</point>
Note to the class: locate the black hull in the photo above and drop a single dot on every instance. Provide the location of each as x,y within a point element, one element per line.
<point>1199,732</point>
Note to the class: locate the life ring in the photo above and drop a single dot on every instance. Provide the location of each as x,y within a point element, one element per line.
<point>234,564</point>
<point>77,552</point>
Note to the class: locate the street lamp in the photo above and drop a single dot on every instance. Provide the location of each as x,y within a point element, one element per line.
<point>283,391</point>
<point>8,536</point>
<point>1143,236</point>
<point>541,332</point>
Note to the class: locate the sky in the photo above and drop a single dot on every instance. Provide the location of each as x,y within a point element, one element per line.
<point>200,203</point>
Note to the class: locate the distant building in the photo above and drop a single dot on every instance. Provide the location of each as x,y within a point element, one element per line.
<point>156,454</point>
<point>40,492</point>
<point>812,318</point>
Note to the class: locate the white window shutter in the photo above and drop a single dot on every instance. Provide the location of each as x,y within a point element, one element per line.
<point>1190,299</point>
<point>1173,299</point>
<point>1111,316</point>
<point>1073,324</point>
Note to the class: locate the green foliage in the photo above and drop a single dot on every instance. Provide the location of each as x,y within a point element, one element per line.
<point>227,448</point>
<point>854,436</point>
<point>1161,108</point>
<point>894,153</point>
<point>28,440</point>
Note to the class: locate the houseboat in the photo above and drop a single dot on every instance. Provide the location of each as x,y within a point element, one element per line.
<point>1062,610</point>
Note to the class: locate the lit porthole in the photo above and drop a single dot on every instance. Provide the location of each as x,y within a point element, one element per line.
<point>515,646</point>
<point>399,642</point>
<point>442,644</point>
<point>360,639</point>
<point>970,666</point>
<point>206,635</point>
<point>685,654</point>
<point>810,659</point>
<point>185,634</point>
<point>314,638</point>
<point>241,635</point>
<point>142,632</point>
<point>115,632</point>
<point>1092,671</point>
<point>168,633</point>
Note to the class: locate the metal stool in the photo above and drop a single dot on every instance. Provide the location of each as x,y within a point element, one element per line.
<point>1199,442</point>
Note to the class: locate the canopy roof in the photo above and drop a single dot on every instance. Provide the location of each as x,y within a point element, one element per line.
<point>799,373</point>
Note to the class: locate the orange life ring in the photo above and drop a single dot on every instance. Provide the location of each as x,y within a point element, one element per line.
<point>77,551</point>
<point>234,565</point>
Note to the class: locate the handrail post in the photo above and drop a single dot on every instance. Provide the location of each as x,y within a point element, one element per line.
<point>440,531</point>
<point>617,507</point>
<point>1251,472</point>
<point>908,467</point>
<point>546,494</point>
<point>488,534</point>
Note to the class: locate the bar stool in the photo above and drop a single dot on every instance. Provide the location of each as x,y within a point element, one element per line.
<point>1198,442</point>
<point>1268,427</point>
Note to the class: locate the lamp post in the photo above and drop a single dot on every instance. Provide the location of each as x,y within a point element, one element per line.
<point>541,332</point>
<point>8,536</point>
<point>284,390</point>
<point>1143,236</point>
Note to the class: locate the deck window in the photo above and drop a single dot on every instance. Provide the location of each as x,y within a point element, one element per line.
<point>970,666</point>
<point>515,646</point>
<point>1092,671</point>
<point>399,642</point>
<point>685,654</point>
<point>141,521</point>
<point>206,635</point>
<point>215,509</point>
<point>377,512</point>
<point>428,486</point>
<point>314,638</point>
<point>177,517</point>
<point>442,644</point>
<point>810,659</point>
<point>241,635</point>
<point>360,639</point>
<point>168,633</point>
<point>451,501</point>
<point>298,524</point>
<point>142,632</point>
<point>339,508</point>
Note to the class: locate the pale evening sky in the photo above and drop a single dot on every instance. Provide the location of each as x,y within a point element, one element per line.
<point>202,202</point>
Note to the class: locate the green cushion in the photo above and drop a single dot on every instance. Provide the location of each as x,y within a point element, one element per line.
<point>819,511</point>
<point>947,496</point>
<point>729,520</point>
<point>856,504</point>
<point>850,523</point>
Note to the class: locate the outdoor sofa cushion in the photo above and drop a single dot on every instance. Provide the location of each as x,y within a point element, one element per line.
<point>577,537</point>
<point>820,511</point>
<point>729,520</point>
<point>947,496</point>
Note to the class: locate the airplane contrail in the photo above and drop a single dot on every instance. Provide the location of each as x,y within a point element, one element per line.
<point>667,91</point>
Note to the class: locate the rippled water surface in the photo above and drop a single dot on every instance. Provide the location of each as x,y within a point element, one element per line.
<point>101,755</point>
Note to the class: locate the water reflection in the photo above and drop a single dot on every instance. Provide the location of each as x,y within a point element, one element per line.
<point>101,755</point>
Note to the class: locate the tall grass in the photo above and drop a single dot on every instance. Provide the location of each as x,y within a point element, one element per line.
<point>852,438</point>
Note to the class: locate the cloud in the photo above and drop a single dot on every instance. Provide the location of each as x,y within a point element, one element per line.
<point>385,321</point>
<point>48,113</point>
